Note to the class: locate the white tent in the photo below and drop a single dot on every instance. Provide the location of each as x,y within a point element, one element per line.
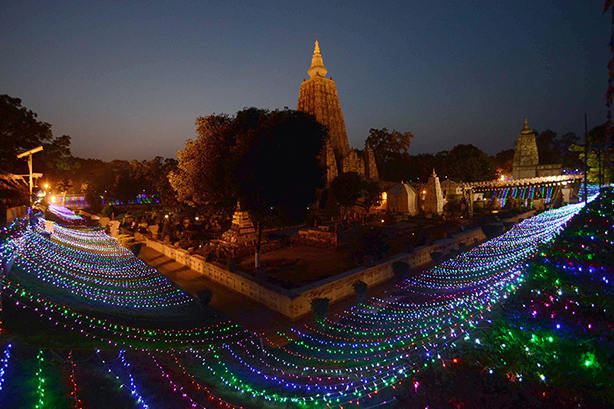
<point>403,198</point>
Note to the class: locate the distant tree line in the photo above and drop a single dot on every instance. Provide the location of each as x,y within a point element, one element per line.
<point>20,131</point>
<point>467,163</point>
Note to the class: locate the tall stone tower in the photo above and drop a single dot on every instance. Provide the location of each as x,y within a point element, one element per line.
<point>526,157</point>
<point>318,96</point>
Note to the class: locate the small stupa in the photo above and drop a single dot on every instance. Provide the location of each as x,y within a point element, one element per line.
<point>242,231</point>
<point>433,198</point>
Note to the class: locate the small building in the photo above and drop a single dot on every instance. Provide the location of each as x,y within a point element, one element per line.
<point>403,198</point>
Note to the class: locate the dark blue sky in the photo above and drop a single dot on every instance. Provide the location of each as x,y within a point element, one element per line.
<point>127,81</point>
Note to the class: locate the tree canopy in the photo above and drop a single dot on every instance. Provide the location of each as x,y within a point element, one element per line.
<point>123,181</point>
<point>553,149</point>
<point>598,154</point>
<point>350,190</point>
<point>504,162</point>
<point>391,151</point>
<point>467,163</point>
<point>267,160</point>
<point>20,131</point>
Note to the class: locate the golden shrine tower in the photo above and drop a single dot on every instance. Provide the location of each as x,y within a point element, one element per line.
<point>318,96</point>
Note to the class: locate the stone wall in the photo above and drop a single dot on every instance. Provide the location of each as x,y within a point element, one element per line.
<point>295,304</point>
<point>319,236</point>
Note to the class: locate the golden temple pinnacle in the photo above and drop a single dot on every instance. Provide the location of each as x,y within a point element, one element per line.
<point>317,65</point>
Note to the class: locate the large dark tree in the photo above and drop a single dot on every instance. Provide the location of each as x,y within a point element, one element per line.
<point>598,154</point>
<point>466,163</point>
<point>20,131</point>
<point>154,177</point>
<point>504,162</point>
<point>350,190</point>
<point>267,160</point>
<point>421,167</point>
<point>546,148</point>
<point>569,158</point>
<point>204,178</point>
<point>554,149</point>
<point>391,151</point>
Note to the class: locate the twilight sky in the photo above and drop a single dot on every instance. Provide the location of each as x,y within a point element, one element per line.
<point>126,80</point>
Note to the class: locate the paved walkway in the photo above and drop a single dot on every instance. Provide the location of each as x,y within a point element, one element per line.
<point>243,310</point>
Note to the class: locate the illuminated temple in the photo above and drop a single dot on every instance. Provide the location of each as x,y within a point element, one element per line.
<point>318,96</point>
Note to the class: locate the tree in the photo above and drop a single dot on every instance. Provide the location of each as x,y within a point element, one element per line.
<point>504,162</point>
<point>400,269</point>
<point>562,144</point>
<point>20,131</point>
<point>467,163</point>
<point>152,176</point>
<point>555,149</point>
<point>360,289</point>
<point>347,188</point>
<point>267,160</point>
<point>63,186</point>
<point>204,178</point>
<point>391,151</point>
<point>421,167</point>
<point>350,190</point>
<point>597,160</point>
<point>545,147</point>
<point>371,195</point>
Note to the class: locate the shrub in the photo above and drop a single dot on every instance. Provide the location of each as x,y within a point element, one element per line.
<point>109,210</point>
<point>360,289</point>
<point>136,249</point>
<point>204,296</point>
<point>492,230</point>
<point>400,269</point>
<point>319,306</point>
<point>437,256</point>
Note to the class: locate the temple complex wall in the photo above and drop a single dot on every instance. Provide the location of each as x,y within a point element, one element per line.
<point>295,304</point>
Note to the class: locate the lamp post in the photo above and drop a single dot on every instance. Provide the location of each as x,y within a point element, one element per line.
<point>29,155</point>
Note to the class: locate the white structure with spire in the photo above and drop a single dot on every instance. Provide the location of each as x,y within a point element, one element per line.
<point>433,196</point>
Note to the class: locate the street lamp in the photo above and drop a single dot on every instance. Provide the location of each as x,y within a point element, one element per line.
<point>29,155</point>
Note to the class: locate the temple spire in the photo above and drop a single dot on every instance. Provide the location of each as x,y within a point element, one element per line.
<point>317,65</point>
<point>525,129</point>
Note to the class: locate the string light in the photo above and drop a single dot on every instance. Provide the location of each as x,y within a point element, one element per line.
<point>368,349</point>
<point>40,390</point>
<point>4,363</point>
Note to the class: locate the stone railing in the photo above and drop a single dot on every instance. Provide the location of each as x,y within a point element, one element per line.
<point>295,303</point>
